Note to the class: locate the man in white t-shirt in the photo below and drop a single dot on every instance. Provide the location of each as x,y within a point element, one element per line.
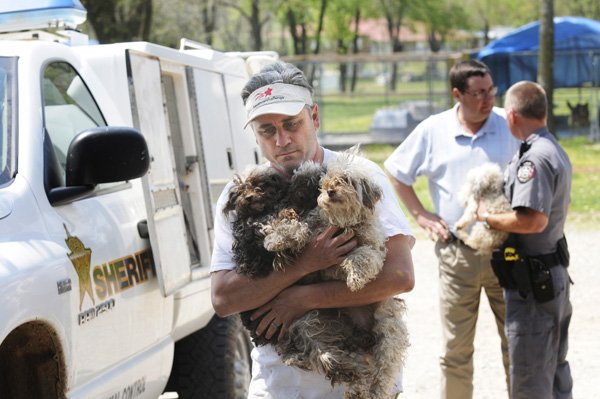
<point>285,122</point>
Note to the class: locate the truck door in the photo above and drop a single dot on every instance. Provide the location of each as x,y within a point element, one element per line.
<point>246,149</point>
<point>228,147</point>
<point>166,223</point>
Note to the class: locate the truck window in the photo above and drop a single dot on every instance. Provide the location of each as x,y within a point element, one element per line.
<point>69,107</point>
<point>7,90</point>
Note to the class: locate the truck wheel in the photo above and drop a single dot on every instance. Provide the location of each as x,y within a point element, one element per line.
<point>213,362</point>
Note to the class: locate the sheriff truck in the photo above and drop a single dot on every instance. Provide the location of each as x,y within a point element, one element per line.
<point>111,161</point>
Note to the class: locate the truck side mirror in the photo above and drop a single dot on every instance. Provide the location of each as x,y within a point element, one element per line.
<point>106,155</point>
<point>102,155</point>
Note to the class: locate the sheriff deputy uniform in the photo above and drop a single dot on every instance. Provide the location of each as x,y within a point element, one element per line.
<point>538,309</point>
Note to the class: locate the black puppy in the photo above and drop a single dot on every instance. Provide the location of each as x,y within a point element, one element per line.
<point>257,199</point>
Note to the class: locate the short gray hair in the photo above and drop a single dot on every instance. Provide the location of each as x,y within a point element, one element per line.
<point>277,72</point>
<point>528,99</point>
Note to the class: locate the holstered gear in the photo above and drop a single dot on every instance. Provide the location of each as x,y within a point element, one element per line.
<point>531,273</point>
<point>503,263</point>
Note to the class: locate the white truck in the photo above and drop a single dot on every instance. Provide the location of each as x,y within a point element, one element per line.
<point>111,161</point>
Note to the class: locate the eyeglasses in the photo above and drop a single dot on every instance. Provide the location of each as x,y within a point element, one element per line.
<point>491,92</point>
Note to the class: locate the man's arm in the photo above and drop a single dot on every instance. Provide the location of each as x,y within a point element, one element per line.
<point>233,292</point>
<point>522,220</point>
<point>436,227</point>
<point>396,276</point>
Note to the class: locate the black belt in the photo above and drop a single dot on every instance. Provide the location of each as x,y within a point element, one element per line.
<point>455,240</point>
<point>550,260</point>
<point>556,258</point>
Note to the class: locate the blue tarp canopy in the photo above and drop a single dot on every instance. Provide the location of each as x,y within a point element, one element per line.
<point>514,57</point>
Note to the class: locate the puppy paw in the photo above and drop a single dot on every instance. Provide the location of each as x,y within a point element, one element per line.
<point>464,221</point>
<point>361,267</point>
<point>286,232</point>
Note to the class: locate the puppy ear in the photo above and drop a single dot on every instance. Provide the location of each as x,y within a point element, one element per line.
<point>234,193</point>
<point>354,150</point>
<point>369,193</point>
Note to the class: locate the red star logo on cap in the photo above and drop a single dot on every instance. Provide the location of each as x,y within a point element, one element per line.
<point>265,93</point>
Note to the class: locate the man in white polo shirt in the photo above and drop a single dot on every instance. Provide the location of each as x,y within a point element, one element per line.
<point>443,148</point>
<point>285,122</point>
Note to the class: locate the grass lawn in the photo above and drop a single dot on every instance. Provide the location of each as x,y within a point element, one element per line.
<point>585,191</point>
<point>353,113</point>
<point>584,213</point>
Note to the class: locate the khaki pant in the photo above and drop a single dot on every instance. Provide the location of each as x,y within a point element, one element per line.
<point>462,277</point>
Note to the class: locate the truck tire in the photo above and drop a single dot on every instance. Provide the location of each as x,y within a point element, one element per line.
<point>31,364</point>
<point>213,363</point>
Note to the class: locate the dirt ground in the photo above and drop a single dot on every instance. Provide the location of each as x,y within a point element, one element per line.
<point>422,372</point>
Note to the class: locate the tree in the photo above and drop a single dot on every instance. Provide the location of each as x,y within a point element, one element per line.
<point>584,8</point>
<point>193,19</point>
<point>440,18</point>
<point>256,17</point>
<point>343,20</point>
<point>394,12</point>
<point>546,57</point>
<point>485,14</point>
<point>298,16</point>
<point>209,19</point>
<point>119,20</point>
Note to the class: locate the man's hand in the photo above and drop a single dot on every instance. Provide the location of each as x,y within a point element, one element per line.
<point>234,293</point>
<point>436,227</point>
<point>396,276</point>
<point>281,311</point>
<point>326,249</point>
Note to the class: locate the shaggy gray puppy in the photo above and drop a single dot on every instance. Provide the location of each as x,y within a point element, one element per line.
<point>486,184</point>
<point>362,346</point>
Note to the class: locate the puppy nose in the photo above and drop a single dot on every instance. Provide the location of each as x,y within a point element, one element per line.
<point>331,193</point>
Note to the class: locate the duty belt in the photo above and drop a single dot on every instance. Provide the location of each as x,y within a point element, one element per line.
<point>560,257</point>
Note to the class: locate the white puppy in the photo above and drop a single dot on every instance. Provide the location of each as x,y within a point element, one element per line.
<point>485,184</point>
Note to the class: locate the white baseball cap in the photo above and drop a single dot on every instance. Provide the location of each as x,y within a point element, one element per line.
<point>277,98</point>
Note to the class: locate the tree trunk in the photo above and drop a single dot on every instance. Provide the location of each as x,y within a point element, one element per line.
<point>147,20</point>
<point>320,27</point>
<point>546,58</point>
<point>256,26</point>
<point>291,19</point>
<point>435,44</point>
<point>318,38</point>
<point>394,75</point>
<point>355,50</point>
<point>343,66</point>
<point>113,22</point>
<point>209,13</point>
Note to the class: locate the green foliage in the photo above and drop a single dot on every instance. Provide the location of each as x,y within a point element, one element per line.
<point>440,17</point>
<point>340,15</point>
<point>119,20</point>
<point>585,8</point>
<point>222,23</point>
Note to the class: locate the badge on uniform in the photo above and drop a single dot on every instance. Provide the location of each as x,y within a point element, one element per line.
<point>526,171</point>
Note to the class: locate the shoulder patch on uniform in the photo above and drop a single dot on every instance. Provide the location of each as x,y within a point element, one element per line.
<point>526,171</point>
